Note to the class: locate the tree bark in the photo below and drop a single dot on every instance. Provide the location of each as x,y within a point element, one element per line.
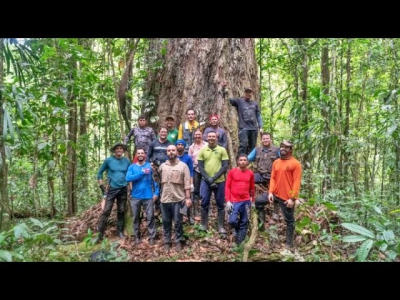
<point>71,147</point>
<point>4,203</point>
<point>196,74</point>
<point>324,112</point>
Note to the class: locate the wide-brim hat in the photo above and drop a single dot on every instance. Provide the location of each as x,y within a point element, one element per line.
<point>118,145</point>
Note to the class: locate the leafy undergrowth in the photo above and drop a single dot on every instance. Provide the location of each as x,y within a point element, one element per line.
<point>318,238</point>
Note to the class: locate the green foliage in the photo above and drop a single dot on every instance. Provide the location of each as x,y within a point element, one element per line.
<point>383,241</point>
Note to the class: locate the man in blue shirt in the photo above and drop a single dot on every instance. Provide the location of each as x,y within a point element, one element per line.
<point>144,192</point>
<point>116,167</point>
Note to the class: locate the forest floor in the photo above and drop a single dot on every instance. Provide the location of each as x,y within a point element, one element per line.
<point>314,239</point>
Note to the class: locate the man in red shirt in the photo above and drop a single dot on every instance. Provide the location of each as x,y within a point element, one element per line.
<point>285,186</point>
<point>239,193</point>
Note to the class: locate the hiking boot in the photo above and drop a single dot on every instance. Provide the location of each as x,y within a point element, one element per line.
<point>137,241</point>
<point>121,235</point>
<point>152,242</point>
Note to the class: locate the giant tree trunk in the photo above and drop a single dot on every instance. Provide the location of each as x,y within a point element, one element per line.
<point>4,204</point>
<point>198,71</point>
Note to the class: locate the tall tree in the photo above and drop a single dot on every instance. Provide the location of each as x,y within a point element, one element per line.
<point>4,204</point>
<point>202,74</point>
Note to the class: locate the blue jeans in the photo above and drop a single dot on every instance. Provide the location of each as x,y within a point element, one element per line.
<point>239,219</point>
<point>219,193</point>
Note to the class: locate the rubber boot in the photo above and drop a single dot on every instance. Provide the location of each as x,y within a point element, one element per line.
<point>261,219</point>
<point>99,238</point>
<point>221,219</point>
<point>204,220</point>
<point>190,214</point>
<point>289,237</point>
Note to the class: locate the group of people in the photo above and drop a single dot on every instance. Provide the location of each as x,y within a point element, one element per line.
<point>178,170</point>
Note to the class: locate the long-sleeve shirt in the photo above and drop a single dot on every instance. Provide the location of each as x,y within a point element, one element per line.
<point>253,154</point>
<point>188,161</point>
<point>158,151</point>
<point>143,137</point>
<point>248,113</point>
<point>191,125</point>
<point>116,171</point>
<point>239,185</point>
<point>143,187</point>
<point>222,139</point>
<point>285,178</point>
<point>175,179</point>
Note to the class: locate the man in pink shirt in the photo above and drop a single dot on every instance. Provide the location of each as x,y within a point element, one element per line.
<point>239,193</point>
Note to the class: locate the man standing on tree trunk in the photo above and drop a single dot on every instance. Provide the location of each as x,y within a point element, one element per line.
<point>285,186</point>
<point>175,184</point>
<point>213,163</point>
<point>249,121</point>
<point>116,167</point>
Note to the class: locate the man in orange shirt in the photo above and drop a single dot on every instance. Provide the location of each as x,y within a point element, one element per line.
<point>285,186</point>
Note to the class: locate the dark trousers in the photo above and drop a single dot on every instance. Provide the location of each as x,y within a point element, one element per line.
<point>196,183</point>
<point>247,141</point>
<point>219,193</point>
<point>239,219</point>
<point>288,212</point>
<point>170,212</point>
<point>148,207</point>
<point>112,195</point>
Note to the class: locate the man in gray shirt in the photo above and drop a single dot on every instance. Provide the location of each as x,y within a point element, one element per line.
<point>249,121</point>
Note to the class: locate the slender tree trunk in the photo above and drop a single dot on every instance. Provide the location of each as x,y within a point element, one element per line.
<point>125,84</point>
<point>346,131</point>
<point>120,117</point>
<point>195,75</point>
<point>326,185</point>
<point>4,202</point>
<point>71,146</point>
<point>306,149</point>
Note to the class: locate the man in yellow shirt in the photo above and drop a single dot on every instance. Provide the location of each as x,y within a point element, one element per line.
<point>187,129</point>
<point>213,161</point>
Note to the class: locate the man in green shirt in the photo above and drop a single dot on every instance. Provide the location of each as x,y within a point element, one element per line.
<point>172,132</point>
<point>213,163</point>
